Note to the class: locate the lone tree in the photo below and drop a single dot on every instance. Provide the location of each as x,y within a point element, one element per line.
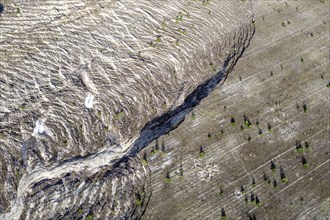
<point>258,203</point>
<point>283,177</point>
<point>265,177</point>
<point>221,192</point>
<point>232,120</point>
<point>247,121</point>
<point>253,199</point>
<point>253,182</point>
<point>201,151</point>
<point>305,108</point>
<point>299,147</point>
<point>242,189</point>
<point>272,166</point>
<point>269,126</point>
<point>223,214</point>
<point>252,217</point>
<point>275,184</point>
<point>167,178</point>
<point>304,162</point>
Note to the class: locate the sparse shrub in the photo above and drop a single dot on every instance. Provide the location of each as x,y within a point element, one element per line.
<point>181,172</point>
<point>258,203</point>
<point>163,25</point>
<point>299,147</point>
<point>252,217</point>
<point>212,67</point>
<point>247,122</point>
<point>304,162</point>
<point>138,199</point>
<point>269,182</point>
<point>144,160</point>
<point>308,148</point>
<point>119,114</point>
<point>223,214</point>
<point>89,217</point>
<point>242,189</point>
<point>232,121</point>
<point>206,2</point>
<point>283,24</point>
<point>168,178</point>
<point>305,108</point>
<point>138,202</point>
<point>158,39</point>
<point>221,192</point>
<point>181,30</point>
<point>269,126</point>
<point>155,150</point>
<point>275,184</point>
<point>283,176</point>
<point>253,200</point>
<point>246,199</point>
<point>265,177</point>
<point>253,182</point>
<point>163,148</point>
<point>179,18</point>
<point>272,166</point>
<point>177,42</point>
<point>201,152</point>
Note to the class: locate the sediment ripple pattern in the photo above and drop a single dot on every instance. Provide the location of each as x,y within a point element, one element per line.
<point>80,78</point>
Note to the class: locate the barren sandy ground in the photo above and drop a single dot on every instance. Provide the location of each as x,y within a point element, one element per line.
<point>86,85</point>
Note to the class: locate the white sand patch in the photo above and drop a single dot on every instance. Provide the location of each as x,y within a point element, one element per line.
<point>89,101</point>
<point>39,128</point>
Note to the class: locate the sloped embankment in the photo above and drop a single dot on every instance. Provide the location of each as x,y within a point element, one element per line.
<point>78,90</point>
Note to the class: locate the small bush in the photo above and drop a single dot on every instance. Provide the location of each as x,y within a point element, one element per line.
<point>201,152</point>
<point>232,121</point>
<point>89,217</point>
<point>168,178</point>
<point>275,184</point>
<point>304,162</point>
<point>221,192</point>
<point>305,108</point>
<point>272,166</point>
<point>253,182</point>
<point>284,180</point>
